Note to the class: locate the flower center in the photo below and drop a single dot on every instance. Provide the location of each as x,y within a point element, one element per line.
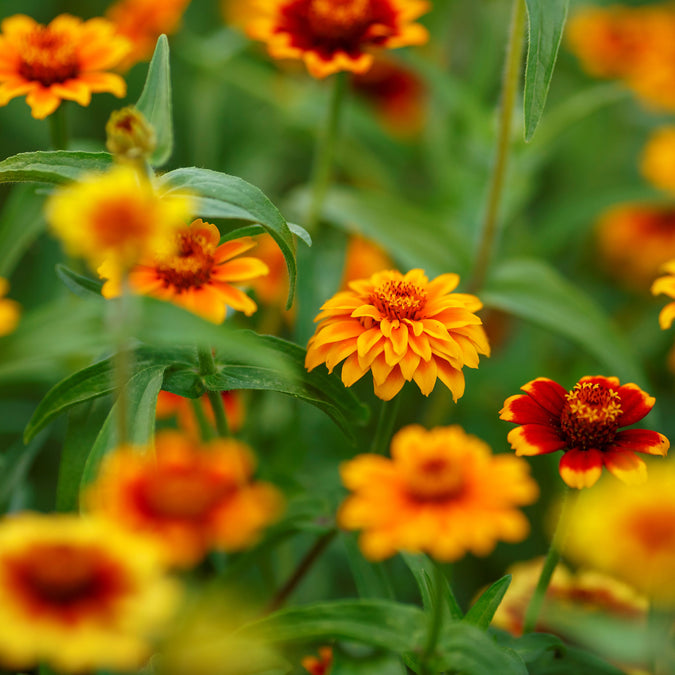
<point>117,223</point>
<point>48,58</point>
<point>191,266</point>
<point>399,300</point>
<point>434,479</point>
<point>655,531</point>
<point>589,418</point>
<point>338,19</point>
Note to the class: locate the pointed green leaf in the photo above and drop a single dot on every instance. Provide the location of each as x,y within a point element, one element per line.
<point>155,102</point>
<point>223,196</point>
<point>483,610</point>
<point>546,19</point>
<point>58,166</point>
<point>85,287</point>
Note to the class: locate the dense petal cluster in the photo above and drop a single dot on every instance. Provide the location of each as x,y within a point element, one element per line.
<point>585,424</point>
<point>68,59</point>
<point>335,35</point>
<point>635,240</point>
<point>79,593</point>
<point>402,327</point>
<point>198,275</point>
<point>190,497</point>
<point>9,310</point>
<point>629,532</point>
<point>442,492</point>
<point>116,217</point>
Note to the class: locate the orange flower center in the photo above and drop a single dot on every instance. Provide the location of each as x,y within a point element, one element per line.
<point>655,530</point>
<point>117,223</point>
<point>589,418</point>
<point>47,57</point>
<point>338,18</point>
<point>434,479</point>
<point>399,300</point>
<point>66,581</point>
<point>192,265</point>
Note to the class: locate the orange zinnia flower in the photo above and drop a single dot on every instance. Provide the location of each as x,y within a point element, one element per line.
<point>143,21</point>
<point>169,404</point>
<point>363,258</point>
<point>190,496</point>
<point>79,593</point>
<point>198,276</point>
<point>402,327</point>
<point>585,423</point>
<point>334,35</point>
<point>443,493</point>
<point>9,310</point>
<point>67,59</point>
<point>320,665</point>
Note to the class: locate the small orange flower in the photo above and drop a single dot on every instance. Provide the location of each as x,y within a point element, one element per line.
<point>584,423</point>
<point>169,404</point>
<point>321,665</point>
<point>190,496</point>
<point>79,593</point>
<point>635,240</point>
<point>335,35</point>
<point>363,259</point>
<point>402,327</point>
<point>65,60</point>
<point>443,493</point>
<point>9,310</point>
<point>143,21</point>
<point>658,159</point>
<point>271,289</point>
<point>666,285</point>
<point>198,276</point>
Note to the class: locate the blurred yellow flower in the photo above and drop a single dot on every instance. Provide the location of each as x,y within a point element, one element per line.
<point>402,327</point>
<point>116,216</point>
<point>658,159</point>
<point>9,310</point>
<point>67,59</point>
<point>629,533</point>
<point>666,285</point>
<point>79,593</point>
<point>442,492</point>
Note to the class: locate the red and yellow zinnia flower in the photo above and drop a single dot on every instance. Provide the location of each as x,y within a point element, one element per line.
<point>402,327</point>
<point>584,423</point>
<point>67,59</point>
<point>9,310</point>
<point>79,593</point>
<point>442,492</point>
<point>335,35</point>
<point>190,496</point>
<point>197,276</point>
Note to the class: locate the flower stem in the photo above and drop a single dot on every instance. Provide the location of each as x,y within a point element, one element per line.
<point>510,81</point>
<point>58,128</point>
<point>205,429</point>
<point>385,425</point>
<point>436,620</point>
<point>301,570</point>
<point>207,366</point>
<point>120,321</point>
<point>325,149</point>
<point>550,563</point>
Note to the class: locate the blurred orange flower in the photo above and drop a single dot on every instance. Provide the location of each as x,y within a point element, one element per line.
<point>584,423</point>
<point>79,593</point>
<point>190,496</point>
<point>321,665</point>
<point>271,289</point>
<point>443,493</point>
<point>198,276</point>
<point>402,327</point>
<point>335,35</point>
<point>143,21</point>
<point>169,405</point>
<point>9,310</point>
<point>363,259</point>
<point>64,60</point>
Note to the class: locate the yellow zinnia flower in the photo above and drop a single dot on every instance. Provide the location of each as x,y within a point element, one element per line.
<point>9,310</point>
<point>442,493</point>
<point>402,327</point>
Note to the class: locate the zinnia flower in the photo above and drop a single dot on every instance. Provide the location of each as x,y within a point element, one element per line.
<point>584,423</point>
<point>629,532</point>
<point>320,665</point>
<point>402,327</point>
<point>67,59</point>
<point>198,276</point>
<point>658,159</point>
<point>666,285</point>
<point>334,35</point>
<point>115,216</point>
<point>190,496</point>
<point>79,593</point>
<point>9,310</point>
<point>169,405</point>
<point>443,493</point>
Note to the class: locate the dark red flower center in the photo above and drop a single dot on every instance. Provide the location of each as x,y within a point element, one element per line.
<point>48,58</point>
<point>590,416</point>
<point>399,300</point>
<point>191,265</point>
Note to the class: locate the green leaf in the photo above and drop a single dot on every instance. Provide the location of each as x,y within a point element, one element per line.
<point>318,388</point>
<point>223,196</point>
<point>533,290</point>
<point>483,610</point>
<point>371,579</point>
<point>379,663</point>
<point>58,166</point>
<point>85,287</point>
<point>15,464</point>
<point>155,101</point>
<point>546,19</point>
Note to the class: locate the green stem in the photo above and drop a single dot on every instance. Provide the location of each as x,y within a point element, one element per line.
<point>205,429</point>
<point>550,563</point>
<point>325,149</point>
<point>58,128</point>
<point>436,620</point>
<point>385,425</point>
<point>120,319</point>
<point>207,366</point>
<point>659,626</point>
<point>510,81</point>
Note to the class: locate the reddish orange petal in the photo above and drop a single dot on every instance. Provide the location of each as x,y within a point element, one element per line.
<point>547,393</point>
<point>581,468</point>
<point>525,410</point>
<point>635,404</point>
<point>641,440</point>
<point>535,439</point>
